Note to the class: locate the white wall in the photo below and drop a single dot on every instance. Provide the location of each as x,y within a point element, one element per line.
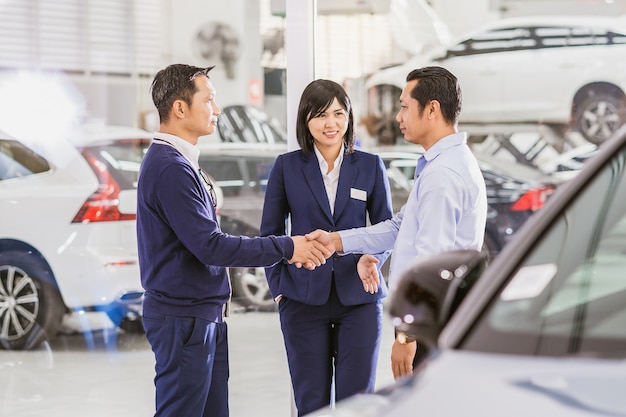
<point>187,16</point>
<point>126,101</point>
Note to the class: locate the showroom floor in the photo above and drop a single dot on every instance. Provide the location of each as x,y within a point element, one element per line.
<point>105,373</point>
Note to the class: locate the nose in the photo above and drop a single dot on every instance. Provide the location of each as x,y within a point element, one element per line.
<point>334,119</point>
<point>216,110</point>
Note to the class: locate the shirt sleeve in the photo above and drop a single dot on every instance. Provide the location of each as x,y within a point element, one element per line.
<point>375,239</point>
<point>184,203</point>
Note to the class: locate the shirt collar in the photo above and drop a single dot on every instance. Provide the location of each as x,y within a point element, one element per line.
<point>444,143</point>
<point>189,151</point>
<point>322,161</point>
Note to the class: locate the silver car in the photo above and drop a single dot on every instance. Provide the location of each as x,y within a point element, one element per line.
<point>540,331</point>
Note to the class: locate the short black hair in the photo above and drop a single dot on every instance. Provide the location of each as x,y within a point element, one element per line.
<point>173,83</point>
<point>437,83</point>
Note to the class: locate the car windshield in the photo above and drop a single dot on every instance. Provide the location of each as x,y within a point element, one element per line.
<point>568,297</point>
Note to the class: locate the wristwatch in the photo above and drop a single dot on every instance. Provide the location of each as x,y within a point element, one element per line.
<point>403,339</point>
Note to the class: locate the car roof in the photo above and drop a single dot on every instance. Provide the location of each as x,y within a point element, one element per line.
<point>498,166</point>
<point>5,135</point>
<point>616,22</point>
<point>94,133</point>
<point>242,149</point>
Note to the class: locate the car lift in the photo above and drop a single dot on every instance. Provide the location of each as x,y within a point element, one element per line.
<point>542,137</point>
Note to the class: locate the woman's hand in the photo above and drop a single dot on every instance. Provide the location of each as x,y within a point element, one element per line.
<point>368,273</point>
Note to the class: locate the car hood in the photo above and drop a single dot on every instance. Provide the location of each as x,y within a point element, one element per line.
<point>416,27</point>
<point>464,383</point>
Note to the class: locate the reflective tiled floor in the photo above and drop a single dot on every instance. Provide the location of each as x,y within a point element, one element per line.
<point>108,373</point>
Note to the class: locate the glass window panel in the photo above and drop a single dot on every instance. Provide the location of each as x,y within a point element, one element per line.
<point>17,161</point>
<point>569,295</point>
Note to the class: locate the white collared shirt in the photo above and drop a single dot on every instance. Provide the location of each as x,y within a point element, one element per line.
<point>189,151</point>
<point>331,179</point>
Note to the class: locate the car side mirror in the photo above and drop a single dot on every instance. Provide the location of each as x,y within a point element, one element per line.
<point>430,290</point>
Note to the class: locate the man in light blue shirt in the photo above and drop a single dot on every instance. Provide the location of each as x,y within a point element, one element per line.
<point>447,207</point>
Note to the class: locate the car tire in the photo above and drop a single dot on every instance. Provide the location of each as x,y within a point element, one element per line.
<point>33,308</point>
<point>599,114</point>
<point>250,289</point>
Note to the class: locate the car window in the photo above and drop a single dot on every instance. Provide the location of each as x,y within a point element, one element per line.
<point>561,36</point>
<point>236,126</point>
<point>16,160</point>
<point>569,295</point>
<point>121,158</point>
<point>515,39</point>
<point>240,174</point>
<point>226,171</point>
<point>271,130</point>
<point>499,40</point>
<point>259,170</point>
<point>249,124</point>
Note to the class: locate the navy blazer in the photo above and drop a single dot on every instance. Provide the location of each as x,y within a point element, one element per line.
<point>295,190</point>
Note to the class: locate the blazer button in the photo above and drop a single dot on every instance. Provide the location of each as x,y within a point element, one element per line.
<point>336,257</point>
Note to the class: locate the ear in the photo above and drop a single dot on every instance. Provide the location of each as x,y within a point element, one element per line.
<point>433,108</point>
<point>179,108</point>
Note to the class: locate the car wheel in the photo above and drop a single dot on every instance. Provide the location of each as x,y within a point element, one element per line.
<point>599,115</point>
<point>250,288</point>
<point>31,309</point>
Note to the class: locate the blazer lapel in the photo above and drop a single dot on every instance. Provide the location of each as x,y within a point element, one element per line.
<point>347,175</point>
<point>313,177</point>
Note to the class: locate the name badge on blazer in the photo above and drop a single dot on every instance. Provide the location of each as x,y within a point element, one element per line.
<point>358,194</point>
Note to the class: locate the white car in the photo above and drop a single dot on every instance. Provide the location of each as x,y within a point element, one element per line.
<point>67,237</point>
<point>566,72</point>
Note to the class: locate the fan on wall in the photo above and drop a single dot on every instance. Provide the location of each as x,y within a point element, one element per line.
<point>218,40</point>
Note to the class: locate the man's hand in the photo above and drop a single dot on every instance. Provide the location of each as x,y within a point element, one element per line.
<point>309,253</point>
<point>402,356</point>
<point>368,273</point>
<point>331,240</point>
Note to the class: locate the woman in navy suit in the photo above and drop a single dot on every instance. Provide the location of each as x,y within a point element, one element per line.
<point>331,322</point>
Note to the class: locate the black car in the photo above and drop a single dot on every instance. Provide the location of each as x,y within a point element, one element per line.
<point>248,124</point>
<point>241,172</point>
<point>514,193</point>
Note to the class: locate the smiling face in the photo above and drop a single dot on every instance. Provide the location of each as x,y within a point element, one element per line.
<point>329,126</point>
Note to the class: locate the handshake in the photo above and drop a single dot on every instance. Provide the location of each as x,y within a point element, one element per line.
<point>312,250</point>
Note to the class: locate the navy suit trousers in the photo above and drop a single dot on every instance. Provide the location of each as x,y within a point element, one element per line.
<point>191,365</point>
<point>330,345</point>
